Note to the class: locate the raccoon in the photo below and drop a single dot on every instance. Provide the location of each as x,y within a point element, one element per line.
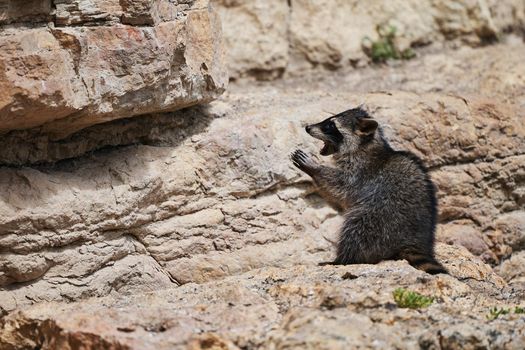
<point>387,196</point>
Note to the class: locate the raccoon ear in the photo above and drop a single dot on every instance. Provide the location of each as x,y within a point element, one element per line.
<point>366,126</point>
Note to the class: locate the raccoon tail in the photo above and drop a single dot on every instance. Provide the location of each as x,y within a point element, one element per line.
<point>425,262</point>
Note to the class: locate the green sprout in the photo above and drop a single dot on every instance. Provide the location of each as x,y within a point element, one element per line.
<point>413,300</point>
<point>495,312</point>
<point>385,47</point>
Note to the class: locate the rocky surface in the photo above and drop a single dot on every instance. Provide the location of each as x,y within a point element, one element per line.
<point>211,192</point>
<point>261,47</point>
<point>302,307</point>
<point>88,62</point>
<point>513,270</point>
<point>13,11</point>
<point>192,229</point>
<point>295,36</point>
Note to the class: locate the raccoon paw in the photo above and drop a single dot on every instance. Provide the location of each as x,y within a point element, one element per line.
<point>303,161</point>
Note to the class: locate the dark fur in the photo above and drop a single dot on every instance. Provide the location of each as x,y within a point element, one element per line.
<point>388,198</point>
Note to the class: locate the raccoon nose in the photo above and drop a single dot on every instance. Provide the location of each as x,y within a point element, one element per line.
<point>308,128</point>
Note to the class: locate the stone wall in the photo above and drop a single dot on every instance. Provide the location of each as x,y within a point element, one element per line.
<point>266,38</point>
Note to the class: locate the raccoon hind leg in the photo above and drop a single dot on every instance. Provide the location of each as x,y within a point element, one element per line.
<point>424,262</point>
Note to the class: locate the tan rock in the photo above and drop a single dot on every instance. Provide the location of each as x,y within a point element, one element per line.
<point>12,11</point>
<point>507,15</point>
<point>331,33</point>
<point>65,79</point>
<point>513,270</point>
<point>28,58</point>
<point>209,196</point>
<point>460,263</point>
<point>108,12</point>
<point>94,12</point>
<point>479,193</point>
<point>145,12</point>
<point>299,35</point>
<point>463,234</point>
<point>495,74</point>
<point>256,36</point>
<point>512,225</point>
<point>211,192</point>
<point>300,307</point>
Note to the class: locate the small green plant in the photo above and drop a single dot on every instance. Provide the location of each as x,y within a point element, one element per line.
<point>413,300</point>
<point>495,312</point>
<point>385,47</point>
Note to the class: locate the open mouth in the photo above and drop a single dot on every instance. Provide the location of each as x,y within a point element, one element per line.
<point>328,148</point>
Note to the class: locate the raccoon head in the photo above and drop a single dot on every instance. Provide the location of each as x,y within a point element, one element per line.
<point>344,132</point>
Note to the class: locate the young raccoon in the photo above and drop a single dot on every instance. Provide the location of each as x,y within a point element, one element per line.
<point>388,198</point>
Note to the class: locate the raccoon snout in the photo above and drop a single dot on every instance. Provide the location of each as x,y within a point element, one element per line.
<point>308,128</point>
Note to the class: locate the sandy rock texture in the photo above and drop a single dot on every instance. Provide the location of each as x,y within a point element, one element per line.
<point>294,36</point>
<point>302,307</point>
<point>210,192</point>
<point>68,64</point>
<point>513,270</point>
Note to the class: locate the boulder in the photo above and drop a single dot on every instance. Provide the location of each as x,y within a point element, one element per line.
<point>89,68</point>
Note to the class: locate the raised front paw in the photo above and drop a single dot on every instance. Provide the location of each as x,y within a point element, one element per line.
<point>303,161</point>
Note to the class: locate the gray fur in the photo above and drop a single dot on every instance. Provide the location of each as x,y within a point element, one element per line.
<point>387,196</point>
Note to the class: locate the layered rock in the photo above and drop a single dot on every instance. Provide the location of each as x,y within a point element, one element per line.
<point>302,307</point>
<point>279,36</point>
<point>13,11</point>
<point>212,193</point>
<point>194,227</point>
<point>107,60</point>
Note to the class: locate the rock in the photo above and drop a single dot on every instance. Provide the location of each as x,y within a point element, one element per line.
<point>97,12</point>
<point>12,11</point>
<point>496,75</point>
<point>261,47</point>
<point>512,225</point>
<point>507,15</point>
<point>460,263</point>
<point>329,34</point>
<point>513,270</point>
<point>63,79</point>
<point>75,12</point>
<point>192,229</point>
<point>297,307</point>
<point>110,12</point>
<point>320,33</point>
<point>467,236</point>
<point>146,12</point>
<point>210,192</point>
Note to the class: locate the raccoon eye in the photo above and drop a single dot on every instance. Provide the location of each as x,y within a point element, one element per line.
<point>330,126</point>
